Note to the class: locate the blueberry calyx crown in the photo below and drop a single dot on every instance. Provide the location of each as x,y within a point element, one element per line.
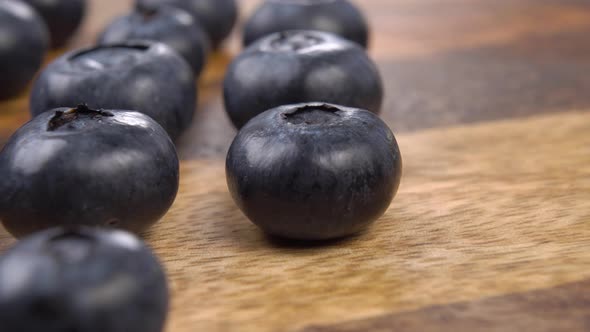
<point>293,41</point>
<point>62,118</point>
<point>312,114</point>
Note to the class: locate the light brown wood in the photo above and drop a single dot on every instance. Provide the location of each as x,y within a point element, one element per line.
<point>483,210</point>
<point>495,197</point>
<point>539,311</point>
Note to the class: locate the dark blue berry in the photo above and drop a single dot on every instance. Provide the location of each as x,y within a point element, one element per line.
<point>147,77</point>
<point>217,17</point>
<point>300,66</point>
<point>340,17</point>
<point>314,171</point>
<point>169,25</point>
<point>23,43</point>
<point>63,17</point>
<point>73,167</point>
<point>82,280</point>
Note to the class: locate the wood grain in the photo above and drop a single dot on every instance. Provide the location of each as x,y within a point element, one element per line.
<point>540,311</point>
<point>483,210</point>
<point>489,100</point>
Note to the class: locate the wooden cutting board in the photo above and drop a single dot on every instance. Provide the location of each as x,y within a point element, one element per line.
<point>490,230</point>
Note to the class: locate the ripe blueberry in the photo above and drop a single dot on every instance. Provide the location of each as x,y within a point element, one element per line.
<point>23,43</point>
<point>146,77</point>
<point>169,25</point>
<point>217,17</point>
<point>300,66</point>
<point>83,280</point>
<point>314,171</point>
<point>340,17</point>
<point>63,17</point>
<point>87,167</point>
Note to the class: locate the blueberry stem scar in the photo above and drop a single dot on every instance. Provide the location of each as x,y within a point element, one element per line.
<point>62,118</point>
<point>311,114</point>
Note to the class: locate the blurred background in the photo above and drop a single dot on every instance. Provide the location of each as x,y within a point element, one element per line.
<point>444,62</point>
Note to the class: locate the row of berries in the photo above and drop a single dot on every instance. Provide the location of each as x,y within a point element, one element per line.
<point>312,160</point>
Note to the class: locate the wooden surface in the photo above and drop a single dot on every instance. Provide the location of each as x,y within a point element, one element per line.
<point>491,227</point>
<point>563,308</point>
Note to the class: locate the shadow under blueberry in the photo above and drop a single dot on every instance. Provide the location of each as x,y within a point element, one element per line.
<point>285,243</point>
<point>231,224</point>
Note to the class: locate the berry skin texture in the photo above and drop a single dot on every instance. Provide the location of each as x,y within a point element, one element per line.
<point>83,167</point>
<point>147,77</point>
<point>217,17</point>
<point>23,42</point>
<point>340,17</point>
<point>169,25</point>
<point>83,280</point>
<point>63,17</point>
<point>300,66</point>
<point>314,171</point>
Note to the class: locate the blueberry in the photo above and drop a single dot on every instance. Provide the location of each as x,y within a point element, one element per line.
<point>87,167</point>
<point>146,77</point>
<point>169,25</point>
<point>340,17</point>
<point>63,17</point>
<point>300,66</point>
<point>23,43</point>
<point>314,171</point>
<point>83,280</point>
<point>217,17</point>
